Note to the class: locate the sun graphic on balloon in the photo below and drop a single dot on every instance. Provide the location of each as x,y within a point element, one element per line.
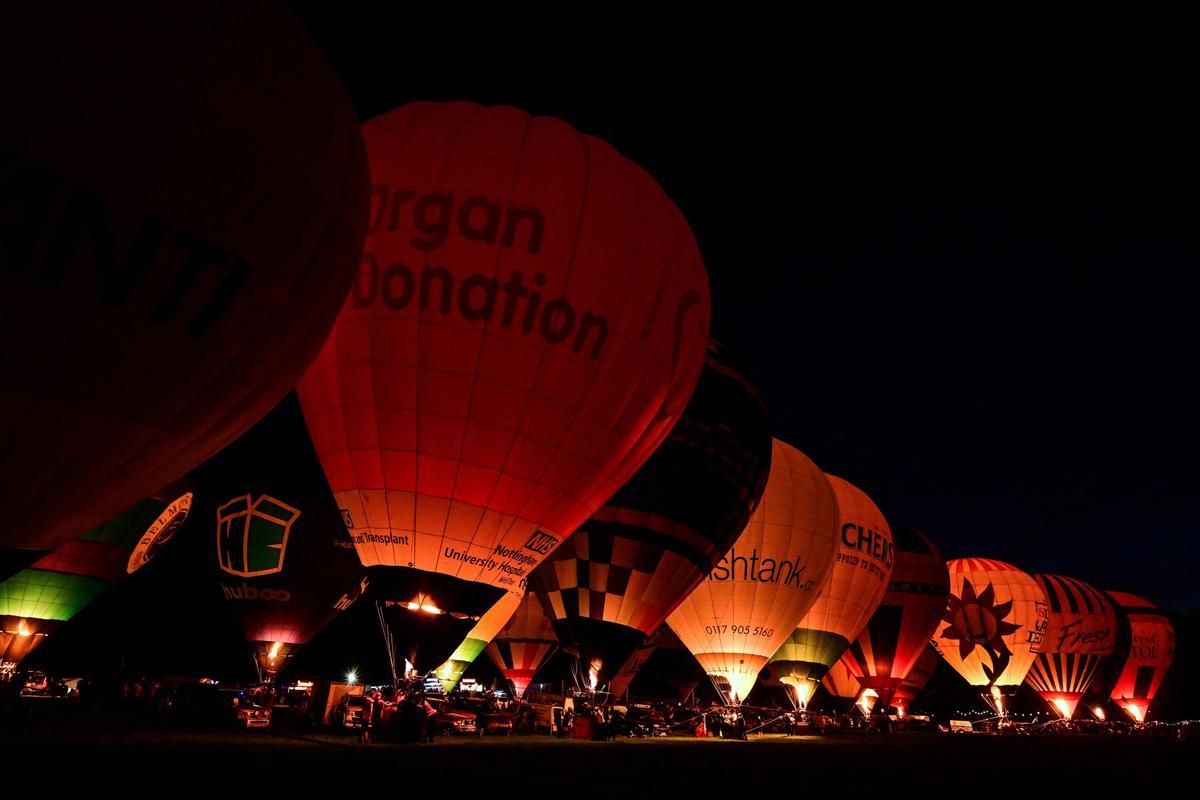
<point>978,621</point>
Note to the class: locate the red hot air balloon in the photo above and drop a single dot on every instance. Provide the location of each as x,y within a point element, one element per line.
<point>1081,631</point>
<point>183,200</point>
<point>899,630</point>
<point>528,324</point>
<point>1148,647</point>
<point>917,678</point>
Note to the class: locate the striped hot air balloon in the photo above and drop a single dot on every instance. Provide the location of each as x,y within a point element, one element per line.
<point>490,624</point>
<point>899,630</point>
<point>1144,654</point>
<point>859,579</point>
<point>912,686</point>
<point>524,645</point>
<point>39,599</point>
<point>994,625</point>
<point>1081,632</point>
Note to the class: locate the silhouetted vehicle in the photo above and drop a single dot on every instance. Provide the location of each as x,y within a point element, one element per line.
<point>490,719</point>
<point>452,719</point>
<point>206,705</point>
<point>350,713</point>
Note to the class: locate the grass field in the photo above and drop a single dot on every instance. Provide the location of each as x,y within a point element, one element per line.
<point>120,752</point>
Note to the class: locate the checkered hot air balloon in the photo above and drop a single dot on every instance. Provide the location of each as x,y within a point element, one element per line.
<point>615,581</point>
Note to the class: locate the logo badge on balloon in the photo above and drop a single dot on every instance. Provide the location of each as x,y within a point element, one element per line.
<point>252,535</point>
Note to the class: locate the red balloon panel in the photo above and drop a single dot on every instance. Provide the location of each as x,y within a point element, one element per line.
<point>528,323</point>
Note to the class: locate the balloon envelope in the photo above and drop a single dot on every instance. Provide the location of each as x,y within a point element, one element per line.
<point>751,601</point>
<point>898,632</point>
<point>36,601</point>
<point>1146,654</point>
<point>914,683</point>
<point>524,644</point>
<point>616,580</point>
<point>1081,631</point>
<point>490,624</point>
<point>857,583</point>
<point>527,325</point>
<point>182,205</point>
<point>279,550</point>
<point>994,625</point>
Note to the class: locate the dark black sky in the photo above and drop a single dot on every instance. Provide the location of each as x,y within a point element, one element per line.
<point>969,295</point>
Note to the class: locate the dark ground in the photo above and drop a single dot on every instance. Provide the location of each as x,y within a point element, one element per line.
<point>107,750</point>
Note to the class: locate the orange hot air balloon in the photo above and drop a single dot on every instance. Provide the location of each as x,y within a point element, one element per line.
<point>182,205</point>
<point>899,630</point>
<point>746,607</point>
<point>1144,661</point>
<point>842,683</point>
<point>528,323</point>
<point>489,625</point>
<point>1081,631</point>
<point>914,683</point>
<point>859,579</point>
<point>994,625</point>
<point>524,645</point>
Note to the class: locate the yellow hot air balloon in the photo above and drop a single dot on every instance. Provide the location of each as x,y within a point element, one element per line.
<point>856,585</point>
<point>996,618</point>
<point>740,614</point>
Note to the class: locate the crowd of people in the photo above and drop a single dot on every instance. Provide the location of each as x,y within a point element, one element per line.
<point>402,714</point>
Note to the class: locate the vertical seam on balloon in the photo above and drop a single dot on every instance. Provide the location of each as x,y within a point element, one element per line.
<point>479,359</point>
<point>583,203</point>
<point>420,324</point>
<point>412,123</point>
<point>605,478</point>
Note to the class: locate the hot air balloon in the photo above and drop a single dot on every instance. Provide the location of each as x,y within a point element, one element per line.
<point>39,599</point>
<point>917,678</point>
<point>1141,665</point>
<point>490,624</point>
<point>616,580</point>
<point>994,626</point>
<point>751,601</point>
<point>632,665</point>
<point>524,645</point>
<point>1081,630</point>
<point>899,629</point>
<point>527,326</point>
<point>857,583</point>
<point>182,205</point>
<point>279,549</point>
<point>842,683</point>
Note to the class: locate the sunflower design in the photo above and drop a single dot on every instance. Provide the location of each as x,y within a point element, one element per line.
<point>978,621</point>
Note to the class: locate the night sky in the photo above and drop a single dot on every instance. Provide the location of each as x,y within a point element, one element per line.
<point>969,298</point>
